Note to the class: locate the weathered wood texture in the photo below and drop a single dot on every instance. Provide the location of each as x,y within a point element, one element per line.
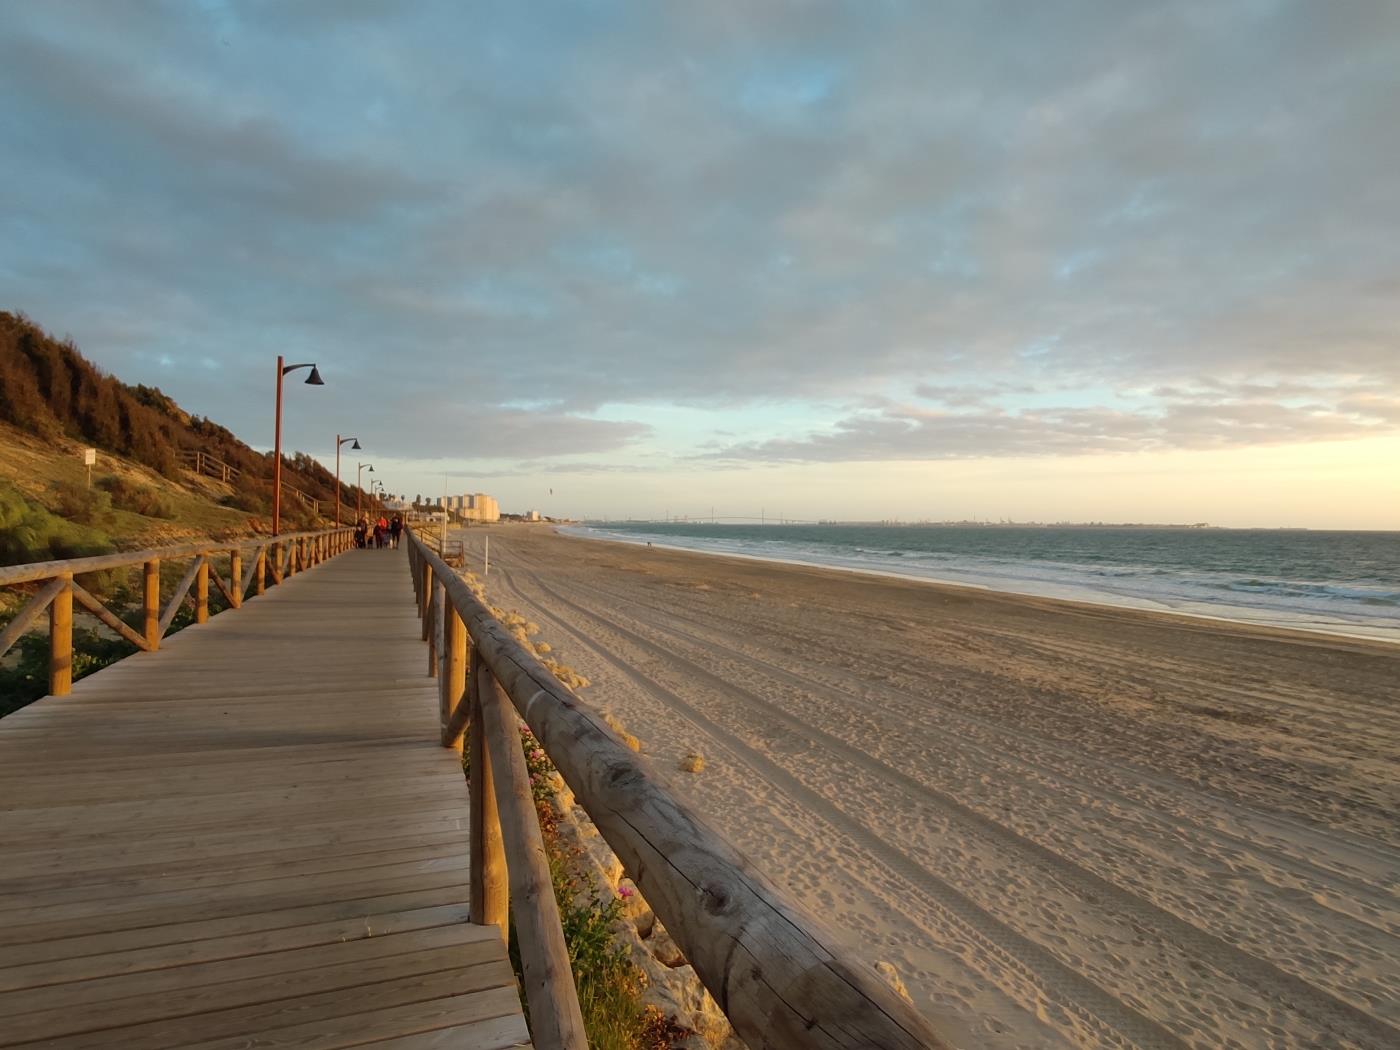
<point>777,972</point>
<point>490,889</point>
<point>251,837</point>
<point>555,1017</point>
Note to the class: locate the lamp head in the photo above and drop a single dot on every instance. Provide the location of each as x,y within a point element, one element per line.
<point>314,379</point>
<point>356,446</point>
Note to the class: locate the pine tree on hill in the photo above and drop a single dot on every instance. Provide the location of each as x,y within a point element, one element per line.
<point>48,388</point>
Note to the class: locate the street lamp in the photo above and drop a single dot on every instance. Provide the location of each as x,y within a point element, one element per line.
<point>359,487</point>
<point>314,379</point>
<point>338,442</point>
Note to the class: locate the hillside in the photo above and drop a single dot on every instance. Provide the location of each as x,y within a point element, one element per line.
<point>54,402</point>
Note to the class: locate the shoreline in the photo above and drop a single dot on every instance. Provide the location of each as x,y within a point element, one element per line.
<point>1090,596</point>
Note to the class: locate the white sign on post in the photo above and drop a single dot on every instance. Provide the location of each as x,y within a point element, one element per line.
<point>89,458</point>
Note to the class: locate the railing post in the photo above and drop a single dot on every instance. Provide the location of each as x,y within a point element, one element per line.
<point>151,603</point>
<point>201,591</point>
<point>61,639</point>
<point>235,576</point>
<point>454,676</point>
<point>546,975</point>
<point>425,598</point>
<point>434,621</point>
<point>489,885</point>
<point>276,564</point>
<point>260,572</point>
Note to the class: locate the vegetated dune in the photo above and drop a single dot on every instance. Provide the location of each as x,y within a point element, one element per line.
<point>1064,825</point>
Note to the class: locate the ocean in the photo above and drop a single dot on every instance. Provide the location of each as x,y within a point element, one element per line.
<point>1337,582</point>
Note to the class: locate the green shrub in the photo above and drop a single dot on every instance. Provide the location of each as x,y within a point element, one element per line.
<point>77,503</point>
<point>29,532</point>
<point>28,678</point>
<point>137,498</point>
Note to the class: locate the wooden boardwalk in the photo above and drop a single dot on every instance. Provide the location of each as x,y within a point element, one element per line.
<point>250,838</point>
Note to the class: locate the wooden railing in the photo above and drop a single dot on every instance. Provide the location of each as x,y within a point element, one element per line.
<point>212,466</point>
<point>204,463</point>
<point>781,977</point>
<point>271,561</point>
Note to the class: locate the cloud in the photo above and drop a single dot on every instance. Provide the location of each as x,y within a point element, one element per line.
<point>720,205</point>
<point>915,433</point>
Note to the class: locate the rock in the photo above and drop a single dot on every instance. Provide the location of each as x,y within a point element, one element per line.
<point>679,994</point>
<point>563,795</point>
<point>693,762</point>
<point>598,851</point>
<point>664,948</point>
<point>892,978</point>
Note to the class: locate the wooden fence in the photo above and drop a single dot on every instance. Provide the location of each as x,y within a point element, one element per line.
<point>212,466</point>
<point>271,561</point>
<point>779,975</point>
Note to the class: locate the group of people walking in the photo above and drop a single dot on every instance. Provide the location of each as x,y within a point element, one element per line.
<point>383,533</point>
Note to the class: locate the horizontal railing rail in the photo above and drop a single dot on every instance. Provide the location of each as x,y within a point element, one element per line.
<point>210,465</point>
<point>206,463</point>
<point>273,560</point>
<point>779,974</point>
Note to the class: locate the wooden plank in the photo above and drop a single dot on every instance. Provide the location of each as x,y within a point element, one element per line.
<point>496,1033</point>
<point>182,844</point>
<point>357,1029</point>
<point>92,605</point>
<point>110,910</point>
<point>124,1027</point>
<point>199,847</point>
<point>134,998</point>
<point>357,908</point>
<point>209,949</point>
<point>177,597</point>
<point>226,874</point>
<point>32,610</point>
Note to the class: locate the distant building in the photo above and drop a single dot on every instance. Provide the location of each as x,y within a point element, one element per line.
<point>532,515</point>
<point>474,506</point>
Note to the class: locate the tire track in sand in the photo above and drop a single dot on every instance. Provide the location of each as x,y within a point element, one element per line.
<point>1115,1020</point>
<point>1326,1011</point>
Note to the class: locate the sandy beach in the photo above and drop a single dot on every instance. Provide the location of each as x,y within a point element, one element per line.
<point>1064,825</point>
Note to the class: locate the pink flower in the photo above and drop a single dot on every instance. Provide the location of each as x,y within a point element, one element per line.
<point>537,755</point>
<point>625,891</point>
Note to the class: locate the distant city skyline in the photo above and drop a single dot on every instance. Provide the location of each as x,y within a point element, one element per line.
<point>1086,261</point>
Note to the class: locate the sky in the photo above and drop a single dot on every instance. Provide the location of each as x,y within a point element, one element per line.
<point>1076,261</point>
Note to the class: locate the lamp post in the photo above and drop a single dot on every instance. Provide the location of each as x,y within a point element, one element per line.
<point>359,487</point>
<point>314,379</point>
<point>338,442</point>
